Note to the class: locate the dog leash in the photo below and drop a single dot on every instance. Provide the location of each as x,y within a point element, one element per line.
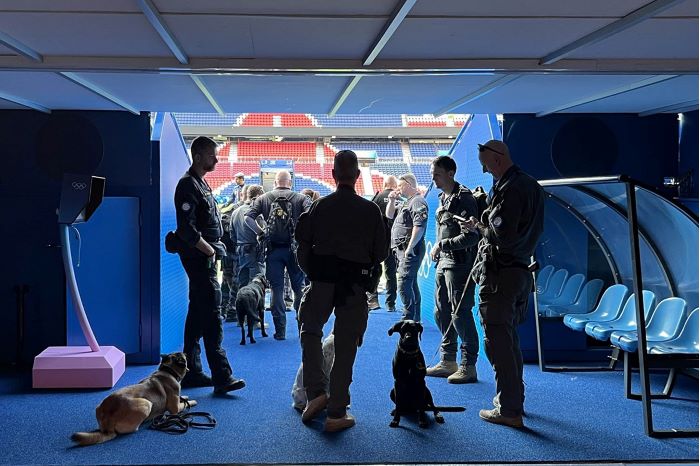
<point>181,422</point>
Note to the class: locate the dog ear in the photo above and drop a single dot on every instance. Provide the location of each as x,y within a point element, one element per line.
<point>165,358</point>
<point>395,328</point>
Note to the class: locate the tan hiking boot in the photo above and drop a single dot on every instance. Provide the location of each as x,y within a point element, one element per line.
<point>494,416</point>
<point>465,374</point>
<point>442,369</point>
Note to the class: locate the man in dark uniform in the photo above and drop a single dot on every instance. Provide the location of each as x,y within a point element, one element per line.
<point>280,255</point>
<point>510,228</point>
<point>407,242</point>
<point>382,199</point>
<point>454,253</point>
<point>199,231</point>
<point>250,255</point>
<point>341,239</point>
<point>229,269</point>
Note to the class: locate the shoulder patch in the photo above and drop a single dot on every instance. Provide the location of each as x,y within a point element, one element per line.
<point>186,206</point>
<point>497,221</point>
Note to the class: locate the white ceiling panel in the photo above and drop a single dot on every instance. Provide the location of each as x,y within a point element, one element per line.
<point>278,7</point>
<point>546,91</point>
<point>275,93</point>
<point>677,90</point>
<point>653,38</point>
<point>71,5</point>
<point>318,45</point>
<point>153,92</point>
<point>474,38</point>
<point>85,34</point>
<point>53,91</point>
<point>417,94</point>
<point>245,37</point>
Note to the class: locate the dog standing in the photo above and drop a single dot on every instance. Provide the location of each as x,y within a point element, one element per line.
<point>123,411</point>
<point>250,306</point>
<point>410,393</point>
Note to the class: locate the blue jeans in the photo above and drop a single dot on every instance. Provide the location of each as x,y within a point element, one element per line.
<point>278,260</point>
<point>250,263</point>
<point>408,280</point>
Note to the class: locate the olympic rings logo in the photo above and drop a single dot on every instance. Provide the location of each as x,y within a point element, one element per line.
<point>425,264</point>
<point>78,186</point>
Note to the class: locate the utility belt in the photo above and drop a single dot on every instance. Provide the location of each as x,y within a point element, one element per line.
<point>488,263</point>
<point>459,256</point>
<point>332,269</point>
<point>173,244</point>
<point>402,243</point>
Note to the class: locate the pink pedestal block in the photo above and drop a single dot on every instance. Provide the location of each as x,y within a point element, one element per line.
<point>77,367</point>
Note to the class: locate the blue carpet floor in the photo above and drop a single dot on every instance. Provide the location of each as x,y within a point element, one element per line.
<point>572,417</point>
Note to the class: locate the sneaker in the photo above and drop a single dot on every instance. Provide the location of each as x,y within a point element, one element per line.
<point>334,424</point>
<point>196,379</point>
<point>465,374</point>
<point>231,385</point>
<point>442,369</point>
<point>494,416</point>
<point>314,407</point>
<point>497,405</point>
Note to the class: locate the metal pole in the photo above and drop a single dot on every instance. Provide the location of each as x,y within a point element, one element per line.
<point>639,307</point>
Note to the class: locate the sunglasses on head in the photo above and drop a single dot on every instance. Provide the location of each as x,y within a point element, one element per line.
<point>485,148</point>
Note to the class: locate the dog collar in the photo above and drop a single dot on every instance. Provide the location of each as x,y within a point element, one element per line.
<point>415,351</point>
<point>170,371</point>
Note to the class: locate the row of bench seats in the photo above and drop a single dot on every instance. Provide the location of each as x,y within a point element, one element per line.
<point>669,328</point>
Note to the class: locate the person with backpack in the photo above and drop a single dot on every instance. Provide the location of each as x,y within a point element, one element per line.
<point>454,252</point>
<point>281,209</point>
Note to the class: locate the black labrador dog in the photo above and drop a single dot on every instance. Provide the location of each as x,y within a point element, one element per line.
<point>250,306</point>
<point>410,393</point>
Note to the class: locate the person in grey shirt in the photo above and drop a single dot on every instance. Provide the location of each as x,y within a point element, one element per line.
<point>510,228</point>
<point>408,242</point>
<point>249,252</point>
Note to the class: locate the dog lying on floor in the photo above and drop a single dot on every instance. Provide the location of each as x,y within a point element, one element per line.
<point>123,411</point>
<point>410,393</point>
<point>250,306</point>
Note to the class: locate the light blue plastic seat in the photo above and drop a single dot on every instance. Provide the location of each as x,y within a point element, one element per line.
<point>627,320</point>
<point>584,303</point>
<point>608,308</point>
<point>543,278</point>
<point>568,295</point>
<point>554,287</point>
<point>665,324</point>
<point>685,343</point>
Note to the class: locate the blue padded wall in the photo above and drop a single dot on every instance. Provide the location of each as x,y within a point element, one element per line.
<point>480,129</point>
<point>174,162</point>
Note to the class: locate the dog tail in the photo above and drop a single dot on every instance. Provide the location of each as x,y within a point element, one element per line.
<point>92,438</point>
<point>451,409</point>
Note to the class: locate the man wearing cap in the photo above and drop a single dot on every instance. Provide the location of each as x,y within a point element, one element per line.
<point>510,228</point>
<point>407,241</point>
<point>199,231</point>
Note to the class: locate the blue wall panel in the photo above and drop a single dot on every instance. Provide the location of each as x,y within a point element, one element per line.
<point>174,162</point>
<point>106,263</point>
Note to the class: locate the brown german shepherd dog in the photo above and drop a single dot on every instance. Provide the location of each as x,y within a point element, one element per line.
<point>123,411</point>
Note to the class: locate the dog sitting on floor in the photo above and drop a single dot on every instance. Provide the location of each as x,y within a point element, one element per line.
<point>123,411</point>
<point>410,393</point>
<point>250,306</point>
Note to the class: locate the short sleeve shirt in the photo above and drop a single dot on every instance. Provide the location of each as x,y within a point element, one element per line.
<point>413,213</point>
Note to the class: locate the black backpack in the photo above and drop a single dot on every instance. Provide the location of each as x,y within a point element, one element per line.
<point>482,200</point>
<point>280,222</point>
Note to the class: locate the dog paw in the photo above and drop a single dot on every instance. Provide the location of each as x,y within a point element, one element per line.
<point>439,419</point>
<point>242,343</point>
<point>253,341</point>
<point>394,423</point>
